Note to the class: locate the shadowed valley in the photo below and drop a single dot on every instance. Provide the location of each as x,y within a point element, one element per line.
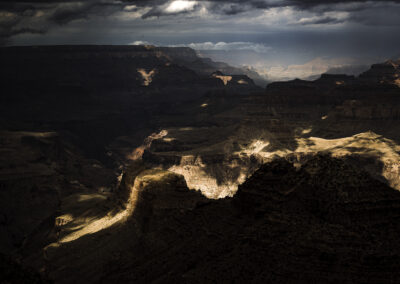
<point>151,164</point>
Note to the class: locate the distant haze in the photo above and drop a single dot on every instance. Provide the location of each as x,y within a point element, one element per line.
<point>281,67</point>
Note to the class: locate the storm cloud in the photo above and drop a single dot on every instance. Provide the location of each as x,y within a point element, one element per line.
<point>264,33</point>
<point>39,16</point>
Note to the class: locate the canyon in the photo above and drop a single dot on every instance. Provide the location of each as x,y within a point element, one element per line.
<point>151,164</point>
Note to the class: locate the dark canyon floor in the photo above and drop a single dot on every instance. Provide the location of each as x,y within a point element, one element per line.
<point>138,164</point>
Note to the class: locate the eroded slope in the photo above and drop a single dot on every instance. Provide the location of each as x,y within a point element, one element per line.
<point>326,221</point>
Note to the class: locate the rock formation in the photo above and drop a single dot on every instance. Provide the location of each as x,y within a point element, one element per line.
<point>325,221</point>
<point>387,72</point>
<point>112,158</point>
<point>283,120</point>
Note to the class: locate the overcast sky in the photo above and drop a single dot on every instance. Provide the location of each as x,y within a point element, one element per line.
<point>263,33</point>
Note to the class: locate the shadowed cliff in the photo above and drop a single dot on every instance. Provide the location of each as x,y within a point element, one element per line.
<point>326,221</point>
<point>103,149</point>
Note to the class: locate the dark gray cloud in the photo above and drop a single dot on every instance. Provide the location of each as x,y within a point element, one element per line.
<point>300,4</point>
<point>39,16</point>
<point>63,14</point>
<point>33,17</point>
<point>321,21</point>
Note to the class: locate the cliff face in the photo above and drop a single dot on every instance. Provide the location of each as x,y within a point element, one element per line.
<point>387,72</point>
<point>78,88</point>
<point>184,55</point>
<point>125,144</point>
<point>282,121</point>
<point>70,113</point>
<point>94,68</point>
<point>325,221</point>
<point>103,69</point>
<point>38,172</point>
<point>202,65</point>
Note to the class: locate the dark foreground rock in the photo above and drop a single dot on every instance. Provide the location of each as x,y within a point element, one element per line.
<point>325,222</point>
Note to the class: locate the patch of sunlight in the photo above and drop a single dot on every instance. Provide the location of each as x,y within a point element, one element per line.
<point>324,117</point>
<point>146,76</point>
<point>96,226</point>
<point>361,142</point>
<point>223,178</point>
<point>151,176</point>
<point>199,177</point>
<point>86,226</point>
<point>275,154</point>
<point>30,133</point>
<point>204,105</point>
<point>63,220</point>
<point>119,178</point>
<point>306,131</point>
<point>339,83</point>
<point>186,128</point>
<point>90,197</point>
<point>224,79</point>
<point>243,82</point>
<point>397,82</point>
<point>97,166</point>
<point>138,152</point>
<point>255,147</point>
<point>367,144</point>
